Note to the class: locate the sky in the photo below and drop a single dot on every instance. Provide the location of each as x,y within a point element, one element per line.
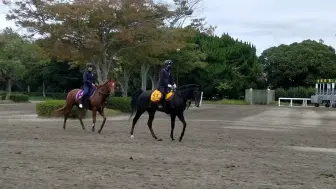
<point>264,23</point>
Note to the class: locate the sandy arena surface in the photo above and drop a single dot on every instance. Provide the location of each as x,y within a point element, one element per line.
<point>223,147</point>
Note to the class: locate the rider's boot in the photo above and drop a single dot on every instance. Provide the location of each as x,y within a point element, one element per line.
<point>83,102</point>
<point>162,102</point>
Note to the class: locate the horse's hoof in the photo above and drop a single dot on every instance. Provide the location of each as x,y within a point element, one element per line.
<point>99,131</point>
<point>180,139</point>
<point>132,136</point>
<point>160,139</point>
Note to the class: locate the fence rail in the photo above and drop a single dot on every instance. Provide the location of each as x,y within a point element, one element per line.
<point>304,101</point>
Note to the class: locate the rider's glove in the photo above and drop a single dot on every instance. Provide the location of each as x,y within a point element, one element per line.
<point>174,85</point>
<point>170,86</point>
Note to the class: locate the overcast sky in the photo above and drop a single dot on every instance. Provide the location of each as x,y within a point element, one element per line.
<point>265,23</point>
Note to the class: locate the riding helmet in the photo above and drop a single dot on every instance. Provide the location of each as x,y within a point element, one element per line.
<point>89,64</point>
<point>168,62</point>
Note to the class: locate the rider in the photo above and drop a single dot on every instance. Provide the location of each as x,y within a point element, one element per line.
<point>89,83</point>
<point>166,81</point>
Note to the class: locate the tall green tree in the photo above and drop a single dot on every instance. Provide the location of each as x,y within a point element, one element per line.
<point>232,66</point>
<point>83,30</point>
<point>16,54</point>
<point>298,64</point>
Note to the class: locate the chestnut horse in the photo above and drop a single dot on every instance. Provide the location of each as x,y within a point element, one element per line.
<point>96,103</point>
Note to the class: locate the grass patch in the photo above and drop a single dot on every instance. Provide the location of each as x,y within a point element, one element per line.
<point>227,102</point>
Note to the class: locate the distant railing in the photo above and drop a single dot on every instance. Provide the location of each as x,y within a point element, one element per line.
<point>304,101</point>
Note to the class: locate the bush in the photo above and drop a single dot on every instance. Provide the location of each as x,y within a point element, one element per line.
<point>280,93</point>
<point>2,95</point>
<point>19,97</point>
<point>56,96</point>
<point>45,109</point>
<point>295,92</point>
<point>119,103</point>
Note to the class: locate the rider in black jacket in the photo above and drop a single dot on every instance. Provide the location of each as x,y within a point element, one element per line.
<point>166,80</point>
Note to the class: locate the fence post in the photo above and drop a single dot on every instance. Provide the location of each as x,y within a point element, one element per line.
<point>251,94</point>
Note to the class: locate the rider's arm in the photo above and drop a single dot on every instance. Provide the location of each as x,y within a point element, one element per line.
<point>171,79</point>
<point>86,81</point>
<point>163,77</point>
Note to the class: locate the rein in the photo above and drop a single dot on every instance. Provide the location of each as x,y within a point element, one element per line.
<point>180,93</point>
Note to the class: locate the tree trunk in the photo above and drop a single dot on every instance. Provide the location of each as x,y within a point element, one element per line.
<point>43,89</point>
<point>9,88</point>
<point>126,81</point>
<point>28,88</point>
<point>101,74</point>
<point>153,78</point>
<point>123,81</point>
<point>102,69</point>
<point>144,73</point>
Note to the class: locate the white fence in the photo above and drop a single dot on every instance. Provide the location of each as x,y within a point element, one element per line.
<point>304,101</point>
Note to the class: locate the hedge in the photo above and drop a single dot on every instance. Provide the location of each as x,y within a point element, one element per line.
<point>122,104</point>
<point>19,97</point>
<point>15,97</point>
<point>295,92</point>
<point>57,96</point>
<point>45,109</point>
<point>2,95</point>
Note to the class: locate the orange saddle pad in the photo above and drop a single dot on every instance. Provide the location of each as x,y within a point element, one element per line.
<point>156,95</point>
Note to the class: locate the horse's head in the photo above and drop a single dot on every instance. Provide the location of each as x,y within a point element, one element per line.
<point>198,95</point>
<point>192,92</point>
<point>108,87</point>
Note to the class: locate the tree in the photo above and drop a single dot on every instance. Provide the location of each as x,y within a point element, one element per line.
<point>84,30</point>
<point>232,66</point>
<point>12,55</point>
<point>298,64</point>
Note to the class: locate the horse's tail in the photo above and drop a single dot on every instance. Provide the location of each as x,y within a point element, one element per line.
<point>133,102</point>
<point>59,111</point>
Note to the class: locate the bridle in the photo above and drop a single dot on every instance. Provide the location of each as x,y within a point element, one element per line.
<point>194,96</point>
<point>103,93</point>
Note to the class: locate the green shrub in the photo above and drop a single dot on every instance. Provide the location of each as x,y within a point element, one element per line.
<point>45,109</point>
<point>119,103</point>
<point>56,96</point>
<point>295,92</point>
<point>280,93</point>
<point>2,96</point>
<point>17,97</point>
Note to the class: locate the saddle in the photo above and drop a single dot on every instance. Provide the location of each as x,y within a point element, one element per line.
<point>156,96</point>
<point>80,93</point>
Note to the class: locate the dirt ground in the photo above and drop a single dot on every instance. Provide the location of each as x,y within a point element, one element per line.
<point>223,147</point>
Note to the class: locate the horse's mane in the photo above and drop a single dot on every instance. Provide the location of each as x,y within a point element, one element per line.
<point>188,86</point>
<point>102,85</point>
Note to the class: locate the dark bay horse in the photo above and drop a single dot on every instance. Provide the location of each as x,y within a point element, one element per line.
<point>142,102</point>
<point>97,103</point>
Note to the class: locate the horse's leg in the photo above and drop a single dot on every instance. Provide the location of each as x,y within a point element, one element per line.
<point>172,120</point>
<point>151,114</point>
<point>101,112</point>
<point>80,117</point>
<point>94,115</point>
<point>67,112</point>
<point>135,120</point>
<point>181,117</point>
